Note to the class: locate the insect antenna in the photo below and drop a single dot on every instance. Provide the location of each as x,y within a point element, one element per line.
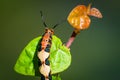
<point>43,19</point>
<point>58,24</point>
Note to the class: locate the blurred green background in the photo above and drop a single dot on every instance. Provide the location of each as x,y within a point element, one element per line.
<point>95,52</point>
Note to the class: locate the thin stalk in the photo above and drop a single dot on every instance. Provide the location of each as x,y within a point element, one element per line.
<point>72,38</point>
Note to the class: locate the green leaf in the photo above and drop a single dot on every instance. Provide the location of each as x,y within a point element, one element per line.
<point>60,57</point>
<point>56,77</point>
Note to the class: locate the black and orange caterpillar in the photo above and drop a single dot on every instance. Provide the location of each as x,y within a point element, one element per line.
<point>43,52</point>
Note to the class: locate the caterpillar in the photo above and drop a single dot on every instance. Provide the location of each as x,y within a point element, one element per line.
<point>43,53</point>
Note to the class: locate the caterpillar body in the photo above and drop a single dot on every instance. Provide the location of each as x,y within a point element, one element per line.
<point>44,54</point>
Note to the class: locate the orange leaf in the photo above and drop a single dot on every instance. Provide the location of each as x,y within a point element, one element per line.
<point>79,18</point>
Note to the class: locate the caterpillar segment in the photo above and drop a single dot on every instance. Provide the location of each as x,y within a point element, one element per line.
<point>44,54</point>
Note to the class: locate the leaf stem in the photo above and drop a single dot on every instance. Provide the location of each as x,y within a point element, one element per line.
<point>71,39</point>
